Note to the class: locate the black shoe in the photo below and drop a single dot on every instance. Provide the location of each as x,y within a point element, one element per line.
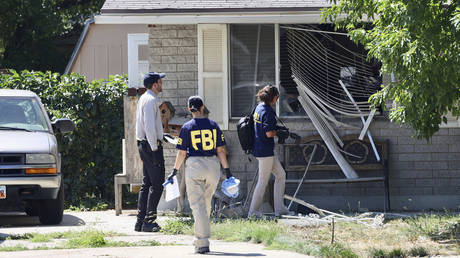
<point>150,227</point>
<point>138,226</point>
<point>202,250</point>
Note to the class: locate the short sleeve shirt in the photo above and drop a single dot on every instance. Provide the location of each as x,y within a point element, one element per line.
<point>200,137</point>
<point>264,121</point>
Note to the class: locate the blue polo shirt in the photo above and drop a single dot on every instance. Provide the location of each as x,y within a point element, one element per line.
<point>264,121</point>
<point>200,137</point>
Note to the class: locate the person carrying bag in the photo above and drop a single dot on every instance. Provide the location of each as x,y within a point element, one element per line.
<point>265,129</point>
<point>203,142</point>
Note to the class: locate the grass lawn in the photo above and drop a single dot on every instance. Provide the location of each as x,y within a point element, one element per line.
<point>419,236</point>
<point>72,239</point>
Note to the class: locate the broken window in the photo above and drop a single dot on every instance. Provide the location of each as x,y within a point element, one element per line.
<point>320,56</point>
<point>252,64</point>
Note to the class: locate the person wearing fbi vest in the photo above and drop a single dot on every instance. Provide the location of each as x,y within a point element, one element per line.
<point>265,130</point>
<point>203,142</point>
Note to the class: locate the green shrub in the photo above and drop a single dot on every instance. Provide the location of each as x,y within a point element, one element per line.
<point>18,236</point>
<point>87,239</point>
<point>437,227</point>
<point>178,226</point>
<point>13,248</point>
<point>39,238</point>
<point>91,154</point>
<point>418,251</point>
<point>397,253</point>
<point>336,250</point>
<point>377,253</point>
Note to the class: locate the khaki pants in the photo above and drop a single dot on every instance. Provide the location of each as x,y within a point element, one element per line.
<point>201,178</point>
<point>268,165</point>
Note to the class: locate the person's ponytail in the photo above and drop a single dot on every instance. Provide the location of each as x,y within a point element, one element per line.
<point>267,94</point>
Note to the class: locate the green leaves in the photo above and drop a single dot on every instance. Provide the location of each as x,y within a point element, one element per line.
<point>36,34</point>
<point>417,41</point>
<point>91,154</point>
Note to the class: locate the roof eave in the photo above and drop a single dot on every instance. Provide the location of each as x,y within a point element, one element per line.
<point>220,18</point>
<point>212,10</point>
<point>78,45</point>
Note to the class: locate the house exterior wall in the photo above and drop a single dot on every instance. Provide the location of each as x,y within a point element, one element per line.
<point>422,176</point>
<point>105,50</point>
<point>173,50</point>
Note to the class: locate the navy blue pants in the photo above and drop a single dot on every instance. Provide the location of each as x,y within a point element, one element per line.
<point>154,176</point>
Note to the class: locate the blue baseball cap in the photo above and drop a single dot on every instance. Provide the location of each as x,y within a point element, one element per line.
<point>195,103</point>
<point>152,77</point>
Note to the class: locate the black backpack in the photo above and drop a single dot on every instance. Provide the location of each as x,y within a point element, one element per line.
<point>245,129</point>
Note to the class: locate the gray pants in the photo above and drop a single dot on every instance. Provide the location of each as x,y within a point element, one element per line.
<point>201,178</point>
<point>268,165</point>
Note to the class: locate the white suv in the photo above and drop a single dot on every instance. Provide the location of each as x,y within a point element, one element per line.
<point>30,164</point>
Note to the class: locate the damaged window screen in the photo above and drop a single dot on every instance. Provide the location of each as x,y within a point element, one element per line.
<point>252,64</point>
<point>321,60</point>
<point>289,105</point>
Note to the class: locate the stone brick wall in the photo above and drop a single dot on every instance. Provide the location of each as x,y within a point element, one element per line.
<point>173,50</point>
<point>423,175</point>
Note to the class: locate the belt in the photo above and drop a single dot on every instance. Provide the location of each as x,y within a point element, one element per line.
<point>158,142</point>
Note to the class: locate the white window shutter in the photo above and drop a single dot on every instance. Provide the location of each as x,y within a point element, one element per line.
<point>212,71</point>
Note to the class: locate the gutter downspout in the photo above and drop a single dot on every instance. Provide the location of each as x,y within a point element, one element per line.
<point>79,44</point>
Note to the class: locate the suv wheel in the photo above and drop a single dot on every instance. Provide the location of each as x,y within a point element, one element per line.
<point>31,208</point>
<point>51,211</point>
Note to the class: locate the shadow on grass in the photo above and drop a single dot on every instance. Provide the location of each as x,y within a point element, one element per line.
<point>21,220</point>
<point>235,254</point>
<point>3,237</point>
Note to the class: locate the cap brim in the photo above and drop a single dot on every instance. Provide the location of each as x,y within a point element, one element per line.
<point>162,75</point>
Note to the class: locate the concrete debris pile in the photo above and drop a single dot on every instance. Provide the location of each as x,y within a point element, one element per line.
<point>314,220</point>
<point>323,217</point>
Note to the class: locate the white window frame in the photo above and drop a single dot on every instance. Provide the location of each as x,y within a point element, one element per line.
<point>134,41</point>
<point>277,64</point>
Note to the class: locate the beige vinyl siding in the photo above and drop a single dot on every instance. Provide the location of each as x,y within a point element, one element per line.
<point>104,51</point>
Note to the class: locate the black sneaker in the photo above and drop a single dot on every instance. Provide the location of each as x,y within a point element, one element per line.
<point>150,227</point>
<point>202,250</point>
<point>138,226</point>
